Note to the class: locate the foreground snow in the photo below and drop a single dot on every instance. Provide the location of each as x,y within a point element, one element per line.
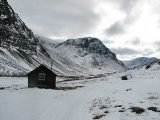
<point>98,97</point>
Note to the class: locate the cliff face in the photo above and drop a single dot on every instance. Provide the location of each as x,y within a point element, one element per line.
<point>13,31</point>
<point>91,45</point>
<point>20,50</point>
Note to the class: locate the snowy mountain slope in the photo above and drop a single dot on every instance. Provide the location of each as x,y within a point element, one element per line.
<point>86,55</point>
<point>148,71</point>
<point>139,62</point>
<point>13,31</point>
<point>48,42</point>
<point>20,50</point>
<point>107,98</point>
<point>17,62</point>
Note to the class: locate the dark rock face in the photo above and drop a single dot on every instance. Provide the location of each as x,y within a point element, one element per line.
<point>13,31</point>
<point>124,78</point>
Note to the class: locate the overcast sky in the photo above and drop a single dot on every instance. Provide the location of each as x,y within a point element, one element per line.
<point>130,28</point>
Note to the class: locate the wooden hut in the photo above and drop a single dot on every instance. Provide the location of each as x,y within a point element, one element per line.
<point>42,77</point>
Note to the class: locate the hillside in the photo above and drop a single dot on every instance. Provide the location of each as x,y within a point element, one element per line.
<point>148,71</point>
<point>19,48</point>
<point>85,55</point>
<point>139,62</point>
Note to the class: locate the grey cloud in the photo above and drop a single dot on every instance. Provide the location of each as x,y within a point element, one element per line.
<point>157,45</point>
<point>116,28</point>
<point>125,51</point>
<point>124,5</point>
<point>135,41</point>
<point>57,17</point>
<point>127,6</point>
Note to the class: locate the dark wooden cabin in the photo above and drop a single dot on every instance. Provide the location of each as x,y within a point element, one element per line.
<point>42,77</point>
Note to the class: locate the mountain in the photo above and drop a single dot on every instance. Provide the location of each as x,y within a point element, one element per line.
<point>19,48</point>
<point>90,53</point>
<point>149,71</point>
<point>13,31</point>
<point>139,61</point>
<point>21,51</point>
<point>82,56</point>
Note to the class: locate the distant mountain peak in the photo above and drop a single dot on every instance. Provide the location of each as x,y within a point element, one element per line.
<point>140,61</point>
<point>92,45</point>
<point>90,51</point>
<point>85,42</point>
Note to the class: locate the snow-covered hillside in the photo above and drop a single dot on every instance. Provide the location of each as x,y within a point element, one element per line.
<point>20,50</point>
<point>139,62</point>
<point>85,56</point>
<point>106,98</point>
<point>17,62</point>
<point>68,60</point>
<point>13,31</point>
<point>147,71</point>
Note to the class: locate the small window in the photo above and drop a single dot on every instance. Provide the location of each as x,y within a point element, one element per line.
<point>41,76</point>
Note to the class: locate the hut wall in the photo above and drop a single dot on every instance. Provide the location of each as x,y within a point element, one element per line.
<point>49,82</point>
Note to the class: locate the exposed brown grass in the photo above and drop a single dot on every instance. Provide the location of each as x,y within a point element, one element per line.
<point>128,89</point>
<point>68,88</point>
<point>137,110</point>
<point>118,105</point>
<point>98,116</point>
<point>121,110</point>
<point>106,111</point>
<point>153,109</point>
<point>2,88</point>
<point>152,98</point>
<point>103,107</point>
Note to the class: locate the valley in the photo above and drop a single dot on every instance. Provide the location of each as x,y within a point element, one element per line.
<point>91,82</point>
<point>102,98</point>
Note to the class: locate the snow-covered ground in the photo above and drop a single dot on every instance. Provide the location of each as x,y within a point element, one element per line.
<point>106,98</point>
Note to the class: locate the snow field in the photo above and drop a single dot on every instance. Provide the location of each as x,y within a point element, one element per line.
<point>103,97</point>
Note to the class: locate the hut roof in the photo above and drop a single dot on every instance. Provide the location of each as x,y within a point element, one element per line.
<point>40,67</point>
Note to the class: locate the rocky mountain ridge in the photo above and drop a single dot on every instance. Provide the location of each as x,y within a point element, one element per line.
<point>14,33</point>
<point>139,61</point>
<point>92,45</point>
